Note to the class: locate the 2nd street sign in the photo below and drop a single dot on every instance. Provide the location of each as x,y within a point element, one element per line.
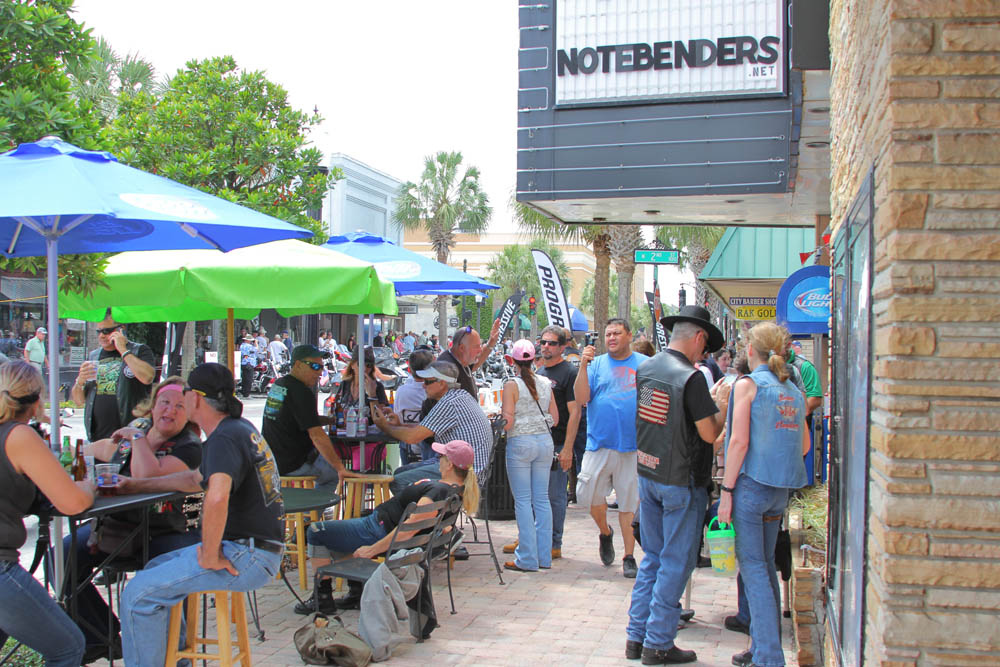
<point>643,256</point>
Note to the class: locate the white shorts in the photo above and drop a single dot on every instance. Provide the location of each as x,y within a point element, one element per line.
<point>604,469</point>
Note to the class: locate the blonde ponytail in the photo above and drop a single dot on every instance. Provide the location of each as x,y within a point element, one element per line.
<point>470,491</point>
<point>769,342</point>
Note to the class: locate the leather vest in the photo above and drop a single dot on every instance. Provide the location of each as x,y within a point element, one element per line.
<point>670,450</point>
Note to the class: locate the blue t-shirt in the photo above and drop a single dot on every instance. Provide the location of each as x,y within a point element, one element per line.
<point>612,407</point>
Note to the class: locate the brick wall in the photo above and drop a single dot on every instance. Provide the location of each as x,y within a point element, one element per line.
<point>915,91</point>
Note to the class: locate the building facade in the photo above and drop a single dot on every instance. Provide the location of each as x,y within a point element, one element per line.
<point>364,200</point>
<point>878,128</point>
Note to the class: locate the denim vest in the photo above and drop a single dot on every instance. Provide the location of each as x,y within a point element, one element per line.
<point>777,414</point>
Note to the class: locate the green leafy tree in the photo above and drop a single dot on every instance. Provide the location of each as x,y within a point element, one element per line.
<point>447,201</point>
<point>514,270</point>
<point>597,237</point>
<point>231,133</point>
<point>38,41</point>
<point>105,79</point>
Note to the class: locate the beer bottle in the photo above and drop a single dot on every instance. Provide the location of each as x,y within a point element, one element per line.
<point>79,463</point>
<point>66,457</point>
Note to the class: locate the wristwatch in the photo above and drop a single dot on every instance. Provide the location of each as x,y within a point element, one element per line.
<point>727,489</point>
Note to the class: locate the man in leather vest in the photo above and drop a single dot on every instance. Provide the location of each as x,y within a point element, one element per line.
<point>677,419</point>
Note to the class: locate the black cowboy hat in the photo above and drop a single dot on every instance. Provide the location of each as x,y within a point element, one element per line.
<point>701,317</point>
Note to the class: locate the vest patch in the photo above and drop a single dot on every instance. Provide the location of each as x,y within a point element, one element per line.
<point>654,405</point>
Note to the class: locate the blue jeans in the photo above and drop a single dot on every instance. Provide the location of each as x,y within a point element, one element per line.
<point>91,608</point>
<point>30,616</point>
<point>403,476</point>
<point>529,460</point>
<point>558,498</point>
<point>148,598</point>
<point>755,540</point>
<point>328,539</point>
<point>671,518</point>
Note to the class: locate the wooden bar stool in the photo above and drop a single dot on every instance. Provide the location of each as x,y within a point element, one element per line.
<point>230,607</point>
<point>295,527</point>
<point>354,493</point>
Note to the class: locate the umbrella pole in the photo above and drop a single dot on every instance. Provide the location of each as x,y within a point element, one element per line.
<point>52,307</point>
<point>230,339</point>
<point>361,383</point>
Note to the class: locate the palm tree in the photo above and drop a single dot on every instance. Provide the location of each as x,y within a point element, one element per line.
<point>596,236</point>
<point>696,243</point>
<point>105,76</point>
<point>624,239</point>
<point>445,202</point>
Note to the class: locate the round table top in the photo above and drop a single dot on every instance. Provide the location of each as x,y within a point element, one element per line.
<point>306,500</point>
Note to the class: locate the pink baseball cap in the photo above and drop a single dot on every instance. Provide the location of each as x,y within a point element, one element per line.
<point>459,452</point>
<point>523,350</point>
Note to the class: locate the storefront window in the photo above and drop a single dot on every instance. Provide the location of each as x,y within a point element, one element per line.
<point>852,358</point>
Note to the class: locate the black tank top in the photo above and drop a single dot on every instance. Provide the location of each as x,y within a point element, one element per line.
<point>17,493</point>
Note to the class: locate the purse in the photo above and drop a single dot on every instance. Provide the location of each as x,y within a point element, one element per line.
<point>320,642</point>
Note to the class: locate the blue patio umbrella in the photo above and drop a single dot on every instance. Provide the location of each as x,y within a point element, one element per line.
<point>578,321</point>
<point>410,272</point>
<point>56,198</point>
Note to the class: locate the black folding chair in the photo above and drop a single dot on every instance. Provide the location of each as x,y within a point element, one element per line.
<point>427,529</point>
<point>497,424</point>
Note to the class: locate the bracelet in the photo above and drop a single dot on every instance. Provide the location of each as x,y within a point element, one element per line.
<point>126,353</point>
<point>726,488</point>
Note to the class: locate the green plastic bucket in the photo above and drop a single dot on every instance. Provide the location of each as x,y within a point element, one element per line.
<point>722,548</point>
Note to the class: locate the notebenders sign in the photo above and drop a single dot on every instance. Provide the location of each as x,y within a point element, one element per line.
<point>668,49</point>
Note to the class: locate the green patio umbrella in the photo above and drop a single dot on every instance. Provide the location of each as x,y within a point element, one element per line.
<point>294,277</point>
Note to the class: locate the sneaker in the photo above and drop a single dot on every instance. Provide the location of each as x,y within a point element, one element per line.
<point>629,568</point>
<point>556,553</point>
<point>607,547</point>
<point>671,656</point>
<point>736,625</point>
<point>460,553</point>
<point>704,561</point>
<point>633,650</point>
<point>510,548</point>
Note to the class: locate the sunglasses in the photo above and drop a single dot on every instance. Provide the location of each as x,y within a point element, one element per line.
<point>430,380</point>
<point>108,330</point>
<point>552,343</point>
<point>315,365</point>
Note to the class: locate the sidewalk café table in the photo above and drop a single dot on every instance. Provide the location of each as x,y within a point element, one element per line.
<point>103,506</point>
<point>297,500</point>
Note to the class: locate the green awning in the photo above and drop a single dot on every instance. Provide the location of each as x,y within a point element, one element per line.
<point>749,264</point>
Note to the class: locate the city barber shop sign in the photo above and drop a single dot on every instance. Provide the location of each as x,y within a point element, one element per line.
<point>628,50</point>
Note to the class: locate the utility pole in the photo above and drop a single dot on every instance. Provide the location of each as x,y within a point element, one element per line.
<point>465,269</point>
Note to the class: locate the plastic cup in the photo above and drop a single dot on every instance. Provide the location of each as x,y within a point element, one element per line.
<point>722,548</point>
<point>107,478</point>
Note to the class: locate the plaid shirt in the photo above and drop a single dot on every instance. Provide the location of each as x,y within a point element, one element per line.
<point>458,416</point>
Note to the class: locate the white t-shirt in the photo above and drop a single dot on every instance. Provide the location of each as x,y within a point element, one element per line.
<point>409,398</point>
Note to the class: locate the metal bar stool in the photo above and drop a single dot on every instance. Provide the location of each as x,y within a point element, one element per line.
<point>295,527</point>
<point>230,607</point>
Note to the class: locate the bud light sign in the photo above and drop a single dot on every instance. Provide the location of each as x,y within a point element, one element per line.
<point>804,301</point>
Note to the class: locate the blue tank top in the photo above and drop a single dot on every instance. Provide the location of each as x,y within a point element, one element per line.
<point>777,414</point>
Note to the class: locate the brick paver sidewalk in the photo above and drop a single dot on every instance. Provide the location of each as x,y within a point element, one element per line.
<point>573,614</point>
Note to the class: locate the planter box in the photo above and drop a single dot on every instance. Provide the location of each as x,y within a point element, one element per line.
<point>808,615</point>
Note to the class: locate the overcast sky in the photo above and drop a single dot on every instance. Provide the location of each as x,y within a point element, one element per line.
<point>395,81</point>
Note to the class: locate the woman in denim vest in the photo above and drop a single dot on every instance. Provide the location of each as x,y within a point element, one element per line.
<point>529,409</point>
<point>767,440</point>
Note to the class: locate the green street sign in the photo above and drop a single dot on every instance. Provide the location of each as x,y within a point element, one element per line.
<point>643,256</point>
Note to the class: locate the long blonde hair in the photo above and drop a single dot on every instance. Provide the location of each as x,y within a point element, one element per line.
<point>769,342</point>
<point>470,489</point>
<point>19,380</point>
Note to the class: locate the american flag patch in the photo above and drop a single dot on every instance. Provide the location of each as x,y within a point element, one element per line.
<point>654,404</point>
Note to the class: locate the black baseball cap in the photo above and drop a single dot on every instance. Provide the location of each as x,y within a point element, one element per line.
<point>215,381</point>
<point>308,352</point>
